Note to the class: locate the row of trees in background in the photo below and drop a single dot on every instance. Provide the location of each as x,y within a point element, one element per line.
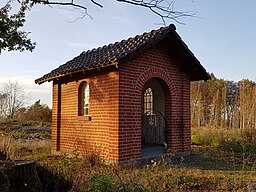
<point>215,103</point>
<point>223,103</point>
<point>12,105</point>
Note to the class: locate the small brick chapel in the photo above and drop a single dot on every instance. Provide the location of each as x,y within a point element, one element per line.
<point>127,100</point>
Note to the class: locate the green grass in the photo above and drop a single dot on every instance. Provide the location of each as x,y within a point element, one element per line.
<point>18,134</point>
<point>236,145</point>
<point>216,137</point>
<point>221,160</point>
<point>208,169</point>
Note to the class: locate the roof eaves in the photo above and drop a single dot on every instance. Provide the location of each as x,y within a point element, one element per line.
<point>45,78</point>
<point>197,62</point>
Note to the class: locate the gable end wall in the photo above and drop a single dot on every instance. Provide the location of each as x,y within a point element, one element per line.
<point>156,62</point>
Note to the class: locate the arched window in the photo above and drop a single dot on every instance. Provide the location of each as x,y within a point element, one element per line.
<point>84,99</point>
<point>148,101</point>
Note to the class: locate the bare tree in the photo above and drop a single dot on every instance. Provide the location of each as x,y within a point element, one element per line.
<point>12,98</point>
<point>165,9</point>
<point>3,99</point>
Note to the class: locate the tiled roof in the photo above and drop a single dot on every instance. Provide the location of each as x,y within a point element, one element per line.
<point>111,54</point>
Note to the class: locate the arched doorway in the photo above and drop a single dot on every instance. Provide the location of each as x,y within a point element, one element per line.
<point>153,135</point>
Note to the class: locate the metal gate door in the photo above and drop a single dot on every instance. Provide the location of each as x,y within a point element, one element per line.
<point>153,128</point>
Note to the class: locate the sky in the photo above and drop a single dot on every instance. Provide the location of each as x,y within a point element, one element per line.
<point>222,35</point>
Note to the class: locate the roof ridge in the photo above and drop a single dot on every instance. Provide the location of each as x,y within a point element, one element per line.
<point>171,27</point>
<point>108,54</point>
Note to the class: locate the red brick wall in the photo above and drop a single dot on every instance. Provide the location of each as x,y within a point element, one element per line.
<point>97,133</point>
<point>113,129</point>
<point>156,62</point>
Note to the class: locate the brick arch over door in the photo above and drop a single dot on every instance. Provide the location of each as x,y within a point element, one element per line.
<point>157,73</point>
<point>170,95</point>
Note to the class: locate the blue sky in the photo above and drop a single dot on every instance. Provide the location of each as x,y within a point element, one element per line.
<point>222,36</point>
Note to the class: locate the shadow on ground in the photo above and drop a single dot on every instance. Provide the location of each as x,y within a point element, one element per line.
<point>202,162</point>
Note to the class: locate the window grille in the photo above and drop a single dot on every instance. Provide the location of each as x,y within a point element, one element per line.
<point>148,101</point>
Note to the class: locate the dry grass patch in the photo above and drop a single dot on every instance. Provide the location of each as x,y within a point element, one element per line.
<point>19,148</point>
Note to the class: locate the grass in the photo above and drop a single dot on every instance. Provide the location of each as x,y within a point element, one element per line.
<point>221,160</point>
<point>236,145</point>
<point>18,148</point>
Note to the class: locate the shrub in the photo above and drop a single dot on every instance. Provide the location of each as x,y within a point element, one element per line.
<point>205,136</point>
<point>68,166</point>
<point>98,183</point>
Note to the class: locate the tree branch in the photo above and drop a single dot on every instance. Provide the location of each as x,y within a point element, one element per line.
<point>96,3</point>
<point>162,8</point>
<point>71,3</point>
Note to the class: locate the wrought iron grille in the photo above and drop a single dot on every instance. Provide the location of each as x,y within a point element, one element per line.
<point>153,128</point>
